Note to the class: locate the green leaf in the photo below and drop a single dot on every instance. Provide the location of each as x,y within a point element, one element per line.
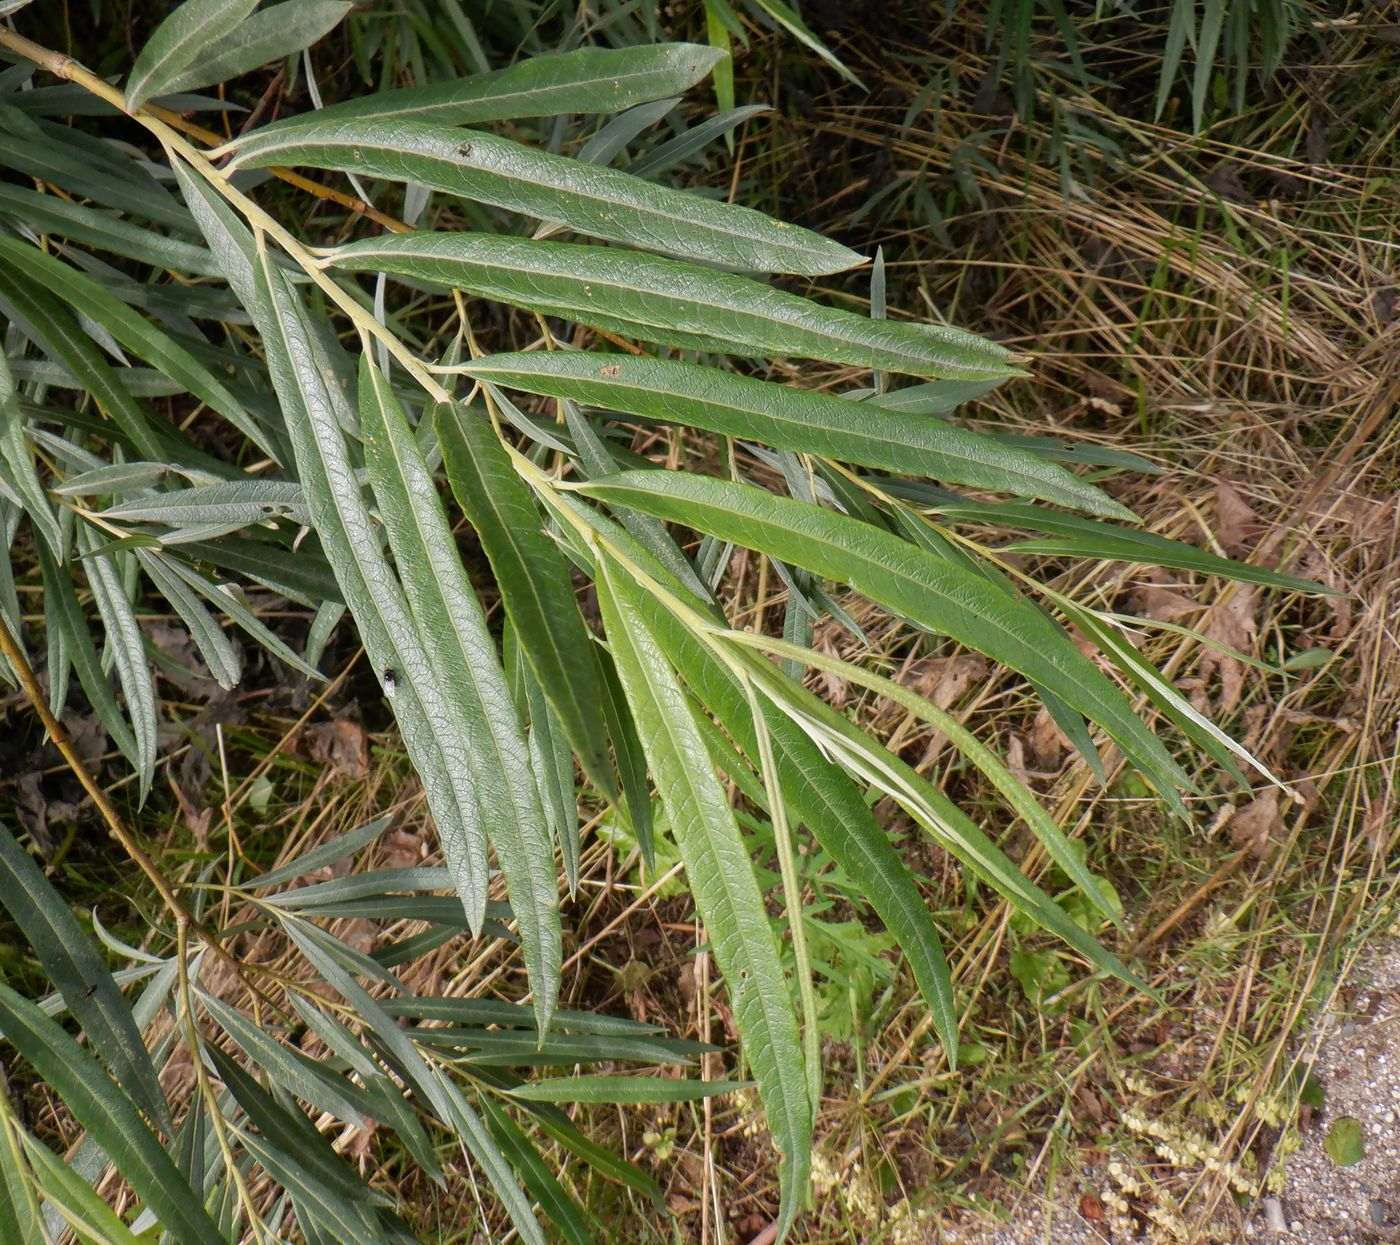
<point>602,1160</point>
<point>936,397</point>
<point>64,614</point>
<point>134,332</point>
<point>102,229</point>
<point>20,1218</point>
<point>316,411</point>
<point>290,1131</point>
<point>55,155</point>
<point>539,1180</point>
<point>623,1089</point>
<point>110,1116</point>
<point>1074,537</point>
<point>93,1221</point>
<point>228,597</point>
<point>324,1212</point>
<point>453,628</point>
<point>673,303</point>
<point>129,650</point>
<point>18,470</point>
<point>54,327</point>
<point>301,575</point>
<point>536,587</point>
<point>722,881</point>
<point>270,34</point>
<point>833,809</point>
<point>178,41</point>
<point>790,419</point>
<point>243,502</point>
<point>305,1078</point>
<point>589,198</point>
<point>584,80</point>
<point>72,963</point>
<point>1345,1142</point>
<point>941,595</point>
<point>477,1139</point>
<point>485,1011</point>
<point>318,857</point>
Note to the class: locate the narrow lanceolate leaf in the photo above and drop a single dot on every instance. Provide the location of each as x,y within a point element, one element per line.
<point>17,465</point>
<point>629,1089</point>
<point>722,880</point>
<point>940,594</point>
<point>54,327</point>
<point>268,35</point>
<point>831,806</point>
<point>214,646</point>
<point>128,647</point>
<point>133,331</point>
<point>64,613</point>
<point>673,303</point>
<point>453,627</point>
<point>534,580</point>
<point>109,1115</point>
<point>584,80</point>
<point>588,198</point>
<point>72,963</point>
<point>180,40</point>
<point>316,411</point>
<point>539,1180</point>
<point>827,801</point>
<point>791,419</point>
<point>1068,536</point>
<point>20,1218</point>
<point>233,501</point>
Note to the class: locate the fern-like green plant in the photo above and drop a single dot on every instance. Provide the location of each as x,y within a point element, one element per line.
<point>150,265</point>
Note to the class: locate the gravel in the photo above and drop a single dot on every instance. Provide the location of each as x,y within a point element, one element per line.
<point>1357,1063</point>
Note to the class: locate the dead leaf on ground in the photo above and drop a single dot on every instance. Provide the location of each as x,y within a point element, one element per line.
<point>1162,604</point>
<point>403,849</point>
<point>342,744</point>
<point>944,681</point>
<point>196,818</point>
<point>1231,624</point>
<point>1048,743</point>
<point>1237,527</point>
<point>1258,827</point>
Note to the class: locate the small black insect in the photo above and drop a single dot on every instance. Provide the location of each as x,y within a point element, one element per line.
<point>465,151</point>
<point>390,682</point>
